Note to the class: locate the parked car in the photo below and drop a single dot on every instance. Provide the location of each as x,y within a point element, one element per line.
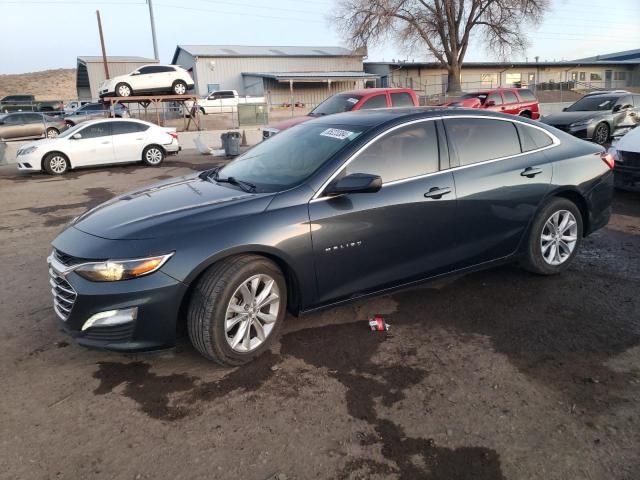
<point>515,101</point>
<point>100,142</point>
<point>626,152</point>
<point>28,103</point>
<point>27,125</point>
<point>171,79</point>
<point>596,117</point>
<point>74,105</point>
<point>350,102</point>
<point>95,111</point>
<point>337,208</point>
<point>221,101</point>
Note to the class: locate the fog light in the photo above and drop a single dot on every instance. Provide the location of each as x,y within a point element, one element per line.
<point>111,318</point>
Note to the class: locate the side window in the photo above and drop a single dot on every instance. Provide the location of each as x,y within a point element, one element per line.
<point>96,130</point>
<point>146,70</point>
<point>32,118</point>
<point>495,97</point>
<point>403,153</point>
<point>479,139</point>
<point>379,101</point>
<point>527,95</point>
<point>636,100</point>
<point>402,99</point>
<point>165,69</point>
<point>510,97</point>
<point>13,120</point>
<point>625,102</point>
<point>93,107</point>
<point>121,128</point>
<point>532,138</point>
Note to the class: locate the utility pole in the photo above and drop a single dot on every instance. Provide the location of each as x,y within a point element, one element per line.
<point>104,51</point>
<point>153,31</point>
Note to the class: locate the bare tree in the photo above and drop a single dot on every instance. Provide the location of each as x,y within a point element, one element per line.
<point>443,26</point>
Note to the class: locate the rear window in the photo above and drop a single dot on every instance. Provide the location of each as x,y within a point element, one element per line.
<point>532,138</point>
<point>527,95</point>
<point>479,139</point>
<point>401,99</point>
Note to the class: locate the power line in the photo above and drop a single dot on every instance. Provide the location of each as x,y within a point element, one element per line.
<point>268,7</point>
<point>243,14</point>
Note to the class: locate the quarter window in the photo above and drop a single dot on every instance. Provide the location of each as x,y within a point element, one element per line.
<point>379,101</point>
<point>407,152</point>
<point>402,99</point>
<point>527,95</point>
<point>532,138</point>
<point>478,139</point>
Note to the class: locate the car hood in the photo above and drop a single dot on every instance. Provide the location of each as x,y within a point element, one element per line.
<point>283,125</point>
<point>566,118</point>
<point>42,143</point>
<point>179,206</point>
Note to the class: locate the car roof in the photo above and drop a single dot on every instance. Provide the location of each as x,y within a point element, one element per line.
<point>371,91</point>
<point>117,120</point>
<point>375,117</point>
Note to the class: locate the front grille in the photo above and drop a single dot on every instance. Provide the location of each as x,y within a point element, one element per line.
<point>69,260</point>
<point>629,159</point>
<point>63,293</point>
<point>116,333</point>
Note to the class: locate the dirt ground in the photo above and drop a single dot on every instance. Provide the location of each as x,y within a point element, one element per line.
<point>494,375</point>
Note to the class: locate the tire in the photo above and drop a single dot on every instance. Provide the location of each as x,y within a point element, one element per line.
<point>525,114</point>
<point>179,88</point>
<point>218,291</point>
<point>601,134</point>
<point>55,163</point>
<point>153,155</point>
<point>52,132</point>
<point>542,235</point>
<point>123,90</point>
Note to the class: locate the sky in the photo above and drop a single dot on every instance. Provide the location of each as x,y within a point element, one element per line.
<point>42,34</point>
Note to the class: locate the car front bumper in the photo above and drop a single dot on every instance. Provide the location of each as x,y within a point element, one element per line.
<point>155,297</point>
<point>627,171</point>
<point>31,162</point>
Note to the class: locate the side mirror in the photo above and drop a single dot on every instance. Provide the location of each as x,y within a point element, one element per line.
<point>617,108</point>
<point>565,109</point>
<point>135,73</point>
<point>491,103</point>
<point>355,183</point>
<point>77,136</point>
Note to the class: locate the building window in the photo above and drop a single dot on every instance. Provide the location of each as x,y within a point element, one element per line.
<point>583,76</point>
<point>514,79</point>
<point>532,78</point>
<point>574,76</point>
<point>212,87</point>
<point>619,75</point>
<point>595,76</point>
<point>489,79</point>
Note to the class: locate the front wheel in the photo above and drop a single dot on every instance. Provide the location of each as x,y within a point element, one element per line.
<point>237,309</point>
<point>123,90</point>
<point>601,134</point>
<point>153,155</point>
<point>55,164</point>
<point>554,238</point>
<point>52,132</point>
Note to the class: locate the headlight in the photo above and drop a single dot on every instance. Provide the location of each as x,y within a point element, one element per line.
<point>27,150</point>
<point>114,270</point>
<point>582,123</point>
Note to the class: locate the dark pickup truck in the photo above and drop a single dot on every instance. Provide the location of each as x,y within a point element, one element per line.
<point>28,103</point>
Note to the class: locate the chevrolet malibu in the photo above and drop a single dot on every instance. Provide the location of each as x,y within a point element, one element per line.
<point>338,208</point>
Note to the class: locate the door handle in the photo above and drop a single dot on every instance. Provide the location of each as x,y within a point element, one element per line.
<point>531,172</point>
<point>106,142</point>
<point>436,192</point>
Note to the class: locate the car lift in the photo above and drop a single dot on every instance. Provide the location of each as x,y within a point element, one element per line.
<point>156,100</point>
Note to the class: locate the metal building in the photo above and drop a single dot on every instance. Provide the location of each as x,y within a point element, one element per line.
<point>90,72</point>
<point>275,72</point>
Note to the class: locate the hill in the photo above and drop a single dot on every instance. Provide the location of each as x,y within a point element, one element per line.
<point>58,84</point>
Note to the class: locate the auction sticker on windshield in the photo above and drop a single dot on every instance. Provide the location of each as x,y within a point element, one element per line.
<point>336,133</point>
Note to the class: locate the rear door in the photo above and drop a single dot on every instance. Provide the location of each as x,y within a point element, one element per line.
<point>511,103</point>
<point>494,102</point>
<point>406,231</point>
<point>374,101</point>
<point>13,127</point>
<point>129,139</point>
<point>401,99</point>
<point>95,147</point>
<point>499,187</point>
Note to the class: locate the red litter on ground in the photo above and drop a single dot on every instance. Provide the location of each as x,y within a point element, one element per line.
<point>377,324</point>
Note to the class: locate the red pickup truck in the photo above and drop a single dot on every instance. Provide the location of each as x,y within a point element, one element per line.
<point>348,102</point>
<point>516,101</point>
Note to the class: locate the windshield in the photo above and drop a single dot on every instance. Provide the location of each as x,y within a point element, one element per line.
<point>593,104</point>
<point>72,130</point>
<point>292,156</point>
<point>336,104</point>
<point>480,96</point>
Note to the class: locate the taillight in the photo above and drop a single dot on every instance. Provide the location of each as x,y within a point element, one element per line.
<point>608,159</point>
<point>174,135</point>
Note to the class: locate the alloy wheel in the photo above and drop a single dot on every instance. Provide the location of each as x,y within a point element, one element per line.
<point>601,134</point>
<point>179,89</point>
<point>252,313</point>
<point>52,133</point>
<point>124,91</point>
<point>559,237</point>
<point>153,156</point>
<point>58,164</point>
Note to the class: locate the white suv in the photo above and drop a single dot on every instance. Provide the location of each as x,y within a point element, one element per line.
<point>171,79</point>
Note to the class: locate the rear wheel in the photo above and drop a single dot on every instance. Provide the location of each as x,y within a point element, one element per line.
<point>554,238</point>
<point>52,132</point>
<point>525,114</point>
<point>153,155</point>
<point>123,90</point>
<point>55,163</point>
<point>237,309</point>
<point>601,134</point>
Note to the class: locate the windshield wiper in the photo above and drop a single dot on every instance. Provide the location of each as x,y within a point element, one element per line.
<point>206,174</point>
<point>246,186</point>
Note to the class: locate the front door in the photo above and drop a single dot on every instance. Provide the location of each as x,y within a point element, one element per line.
<point>368,241</point>
<point>499,188</point>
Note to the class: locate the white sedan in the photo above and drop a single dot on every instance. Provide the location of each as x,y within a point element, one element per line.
<point>100,142</point>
